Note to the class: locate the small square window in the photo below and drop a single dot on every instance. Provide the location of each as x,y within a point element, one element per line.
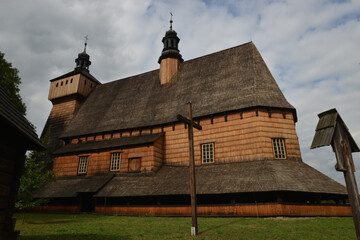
<point>279,148</point>
<point>115,161</point>
<point>83,163</point>
<point>207,152</point>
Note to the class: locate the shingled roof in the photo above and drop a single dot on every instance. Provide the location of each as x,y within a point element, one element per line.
<point>229,80</point>
<point>72,186</point>
<point>12,117</point>
<point>90,146</point>
<point>243,177</point>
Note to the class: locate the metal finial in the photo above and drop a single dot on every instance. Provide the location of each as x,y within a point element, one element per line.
<point>171,21</point>
<point>86,39</point>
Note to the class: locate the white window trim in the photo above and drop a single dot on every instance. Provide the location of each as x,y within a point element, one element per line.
<point>83,164</point>
<point>115,161</point>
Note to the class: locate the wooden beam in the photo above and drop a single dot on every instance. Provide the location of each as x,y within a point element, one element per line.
<point>188,121</point>
<point>191,124</point>
<point>341,147</point>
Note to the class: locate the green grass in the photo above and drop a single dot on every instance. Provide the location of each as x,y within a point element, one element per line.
<point>88,226</point>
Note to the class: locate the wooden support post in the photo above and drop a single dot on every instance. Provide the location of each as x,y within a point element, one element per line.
<point>194,229</point>
<point>331,129</point>
<point>191,124</point>
<point>341,147</point>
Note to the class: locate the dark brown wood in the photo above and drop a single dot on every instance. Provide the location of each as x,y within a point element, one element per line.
<point>188,121</point>
<point>341,147</point>
<point>191,124</point>
<point>192,170</point>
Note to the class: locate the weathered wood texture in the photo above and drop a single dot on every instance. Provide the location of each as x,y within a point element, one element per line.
<point>99,162</point>
<point>236,139</point>
<point>168,69</point>
<point>77,84</point>
<point>253,210</point>
<point>11,165</point>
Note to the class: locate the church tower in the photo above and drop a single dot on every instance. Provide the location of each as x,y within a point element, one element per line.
<point>67,93</point>
<point>170,58</point>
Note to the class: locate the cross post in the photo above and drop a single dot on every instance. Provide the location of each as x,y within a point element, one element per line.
<point>191,124</point>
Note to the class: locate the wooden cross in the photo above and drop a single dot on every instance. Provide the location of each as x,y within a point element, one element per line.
<point>331,130</point>
<point>191,124</point>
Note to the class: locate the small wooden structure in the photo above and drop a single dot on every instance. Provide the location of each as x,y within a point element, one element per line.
<point>16,137</point>
<point>331,129</point>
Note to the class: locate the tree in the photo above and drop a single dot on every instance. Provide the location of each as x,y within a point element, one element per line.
<point>10,81</point>
<point>36,167</point>
<point>36,175</point>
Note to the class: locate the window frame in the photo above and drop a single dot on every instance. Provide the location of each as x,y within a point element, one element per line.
<point>202,152</point>
<point>279,148</point>
<point>118,159</point>
<point>82,165</point>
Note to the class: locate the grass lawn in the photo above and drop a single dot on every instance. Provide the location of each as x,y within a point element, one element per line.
<point>89,226</point>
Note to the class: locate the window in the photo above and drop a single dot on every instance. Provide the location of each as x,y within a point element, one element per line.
<point>279,148</point>
<point>207,152</point>
<point>83,163</point>
<point>115,161</point>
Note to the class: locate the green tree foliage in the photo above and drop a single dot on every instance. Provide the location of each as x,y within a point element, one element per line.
<point>10,81</point>
<point>36,175</point>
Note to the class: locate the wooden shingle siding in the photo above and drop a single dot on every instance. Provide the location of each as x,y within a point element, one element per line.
<point>262,210</point>
<point>235,140</point>
<point>99,162</point>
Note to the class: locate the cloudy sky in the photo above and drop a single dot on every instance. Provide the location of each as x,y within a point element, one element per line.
<point>311,47</point>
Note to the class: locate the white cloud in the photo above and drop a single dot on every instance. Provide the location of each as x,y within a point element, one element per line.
<point>311,48</point>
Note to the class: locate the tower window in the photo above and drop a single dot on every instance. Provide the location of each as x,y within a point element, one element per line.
<point>61,83</point>
<point>70,80</point>
<point>115,161</point>
<point>66,82</point>
<point>279,148</point>
<point>207,152</point>
<point>83,163</point>
<point>90,85</point>
<point>57,84</point>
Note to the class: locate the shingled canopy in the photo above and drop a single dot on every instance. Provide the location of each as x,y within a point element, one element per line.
<point>108,144</point>
<point>72,186</point>
<point>141,101</point>
<point>243,177</point>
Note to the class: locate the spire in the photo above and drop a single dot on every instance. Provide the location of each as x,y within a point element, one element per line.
<point>171,42</point>
<point>83,60</point>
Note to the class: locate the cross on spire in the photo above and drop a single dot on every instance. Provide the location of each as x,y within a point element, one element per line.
<point>171,21</point>
<point>86,39</point>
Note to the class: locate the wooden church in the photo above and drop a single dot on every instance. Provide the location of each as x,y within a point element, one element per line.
<point>119,148</point>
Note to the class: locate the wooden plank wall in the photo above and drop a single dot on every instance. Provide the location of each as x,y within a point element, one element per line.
<point>235,138</point>
<point>252,210</point>
<point>71,85</point>
<point>99,162</point>
<point>63,87</point>
<point>11,166</point>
